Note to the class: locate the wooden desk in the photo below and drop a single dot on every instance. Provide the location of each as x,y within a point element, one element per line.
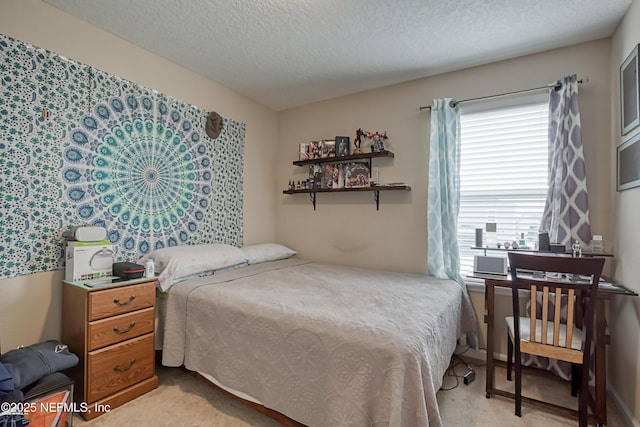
<point>601,339</point>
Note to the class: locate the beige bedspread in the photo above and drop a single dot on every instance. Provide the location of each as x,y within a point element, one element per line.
<point>326,345</point>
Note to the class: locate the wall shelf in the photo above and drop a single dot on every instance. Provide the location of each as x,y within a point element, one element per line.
<point>344,159</point>
<point>376,190</point>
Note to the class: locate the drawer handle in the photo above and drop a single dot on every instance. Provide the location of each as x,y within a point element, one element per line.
<point>117,300</point>
<point>124,331</point>
<point>117,368</point>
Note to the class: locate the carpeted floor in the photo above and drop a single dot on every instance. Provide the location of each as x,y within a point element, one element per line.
<point>185,401</point>
<point>466,405</point>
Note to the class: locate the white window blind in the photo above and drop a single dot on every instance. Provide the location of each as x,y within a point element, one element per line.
<point>503,175</point>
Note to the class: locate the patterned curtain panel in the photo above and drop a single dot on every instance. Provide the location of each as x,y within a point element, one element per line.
<point>443,258</point>
<point>566,212</point>
<point>79,146</point>
<point>443,198</point>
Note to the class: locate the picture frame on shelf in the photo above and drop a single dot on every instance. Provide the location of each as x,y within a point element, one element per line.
<point>328,148</point>
<point>327,175</point>
<point>628,163</point>
<point>342,146</point>
<point>303,151</point>
<point>315,150</point>
<point>342,169</point>
<point>629,93</point>
<point>357,175</point>
<point>315,176</point>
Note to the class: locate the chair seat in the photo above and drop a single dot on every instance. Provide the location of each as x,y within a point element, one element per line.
<point>525,332</point>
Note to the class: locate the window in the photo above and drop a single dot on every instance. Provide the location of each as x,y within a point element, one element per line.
<point>503,173</point>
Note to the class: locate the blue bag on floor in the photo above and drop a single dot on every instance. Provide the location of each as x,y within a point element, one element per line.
<point>38,360</point>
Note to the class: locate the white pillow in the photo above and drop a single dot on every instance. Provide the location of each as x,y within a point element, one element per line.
<point>176,263</point>
<point>267,252</point>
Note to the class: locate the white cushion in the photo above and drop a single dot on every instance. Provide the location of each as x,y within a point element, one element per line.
<point>267,252</point>
<point>177,263</point>
<point>525,332</point>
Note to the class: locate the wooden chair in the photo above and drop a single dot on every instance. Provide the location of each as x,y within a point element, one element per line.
<point>548,337</point>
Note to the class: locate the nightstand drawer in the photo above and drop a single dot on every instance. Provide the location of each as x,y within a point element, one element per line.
<point>114,368</point>
<point>110,302</point>
<point>120,328</point>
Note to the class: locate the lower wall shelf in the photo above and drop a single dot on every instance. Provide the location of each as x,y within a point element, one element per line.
<point>376,189</point>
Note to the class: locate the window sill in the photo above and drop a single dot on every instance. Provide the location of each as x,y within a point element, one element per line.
<point>477,285</point>
<point>474,285</point>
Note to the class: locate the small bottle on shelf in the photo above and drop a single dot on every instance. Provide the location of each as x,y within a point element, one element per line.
<point>149,268</point>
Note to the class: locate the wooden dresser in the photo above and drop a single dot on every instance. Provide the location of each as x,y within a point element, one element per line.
<point>111,330</point>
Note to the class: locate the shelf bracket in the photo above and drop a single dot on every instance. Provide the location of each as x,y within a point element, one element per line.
<point>312,196</point>
<point>376,195</point>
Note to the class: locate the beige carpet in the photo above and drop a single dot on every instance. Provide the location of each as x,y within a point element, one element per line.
<point>182,400</point>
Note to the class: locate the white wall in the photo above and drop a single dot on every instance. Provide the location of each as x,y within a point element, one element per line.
<point>30,305</point>
<point>347,229</point>
<point>624,312</point>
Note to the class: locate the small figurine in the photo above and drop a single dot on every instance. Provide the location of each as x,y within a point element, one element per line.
<point>577,249</point>
<point>358,141</point>
<point>377,141</point>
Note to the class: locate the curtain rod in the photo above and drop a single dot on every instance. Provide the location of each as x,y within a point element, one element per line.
<point>555,85</point>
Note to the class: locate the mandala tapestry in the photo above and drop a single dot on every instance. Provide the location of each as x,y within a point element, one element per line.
<point>79,146</point>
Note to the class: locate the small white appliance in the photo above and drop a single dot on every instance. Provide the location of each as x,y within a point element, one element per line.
<point>89,260</point>
<point>85,233</point>
<point>495,265</point>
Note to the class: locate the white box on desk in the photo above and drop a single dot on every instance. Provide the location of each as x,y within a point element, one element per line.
<point>89,260</point>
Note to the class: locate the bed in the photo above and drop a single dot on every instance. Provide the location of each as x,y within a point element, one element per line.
<point>325,345</point>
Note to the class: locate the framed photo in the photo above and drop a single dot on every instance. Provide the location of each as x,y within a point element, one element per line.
<point>342,145</point>
<point>303,152</point>
<point>629,95</point>
<point>357,175</point>
<point>342,170</point>
<point>315,175</point>
<point>328,148</point>
<point>629,163</point>
<point>315,150</point>
<point>327,175</point>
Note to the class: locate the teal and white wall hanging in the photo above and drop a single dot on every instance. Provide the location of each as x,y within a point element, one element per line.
<point>81,146</point>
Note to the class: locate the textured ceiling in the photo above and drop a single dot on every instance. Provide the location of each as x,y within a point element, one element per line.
<point>287,53</point>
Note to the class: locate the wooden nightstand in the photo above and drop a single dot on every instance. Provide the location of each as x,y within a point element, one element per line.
<point>111,330</point>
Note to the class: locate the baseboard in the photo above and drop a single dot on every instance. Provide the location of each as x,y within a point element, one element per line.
<point>624,410</point>
<point>479,355</point>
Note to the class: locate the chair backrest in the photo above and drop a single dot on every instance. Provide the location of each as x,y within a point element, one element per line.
<point>577,278</point>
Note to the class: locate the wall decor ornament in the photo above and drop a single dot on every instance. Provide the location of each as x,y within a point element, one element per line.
<point>111,153</point>
<point>628,163</point>
<point>629,92</point>
<point>214,125</point>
